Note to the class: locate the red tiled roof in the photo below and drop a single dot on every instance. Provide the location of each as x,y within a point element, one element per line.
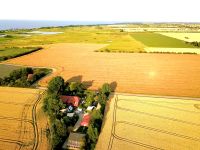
<point>86,120</point>
<point>70,100</point>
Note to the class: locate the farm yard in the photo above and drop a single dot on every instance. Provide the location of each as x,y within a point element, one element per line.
<point>150,122</point>
<point>18,128</point>
<point>160,74</point>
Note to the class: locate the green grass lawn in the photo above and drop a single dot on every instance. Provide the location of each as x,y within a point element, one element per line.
<point>158,40</point>
<point>5,70</point>
<point>11,52</point>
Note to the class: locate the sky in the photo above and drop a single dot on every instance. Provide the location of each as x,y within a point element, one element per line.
<point>102,10</point>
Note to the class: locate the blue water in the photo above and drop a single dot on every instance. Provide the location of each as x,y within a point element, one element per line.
<point>28,24</point>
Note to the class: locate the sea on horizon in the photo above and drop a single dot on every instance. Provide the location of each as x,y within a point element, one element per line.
<point>29,24</point>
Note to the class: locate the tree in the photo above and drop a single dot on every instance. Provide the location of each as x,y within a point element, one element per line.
<point>52,106</point>
<point>56,85</point>
<point>92,133</point>
<point>76,88</point>
<point>106,89</point>
<point>89,98</point>
<point>58,133</point>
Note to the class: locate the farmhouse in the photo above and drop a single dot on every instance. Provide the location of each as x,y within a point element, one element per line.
<point>75,141</point>
<point>71,100</point>
<point>86,120</point>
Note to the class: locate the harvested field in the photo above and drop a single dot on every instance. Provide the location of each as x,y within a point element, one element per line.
<point>16,118</point>
<point>168,74</point>
<point>189,37</point>
<point>150,122</point>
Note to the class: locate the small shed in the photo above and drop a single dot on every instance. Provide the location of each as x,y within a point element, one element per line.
<point>71,100</point>
<point>75,141</point>
<point>86,120</point>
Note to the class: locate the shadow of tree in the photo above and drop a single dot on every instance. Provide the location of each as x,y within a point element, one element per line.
<point>113,86</point>
<point>79,79</point>
<point>75,79</point>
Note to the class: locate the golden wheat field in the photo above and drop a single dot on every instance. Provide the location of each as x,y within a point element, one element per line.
<point>150,122</point>
<point>160,74</point>
<point>16,118</point>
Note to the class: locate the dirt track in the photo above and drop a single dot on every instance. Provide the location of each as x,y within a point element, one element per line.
<point>159,74</point>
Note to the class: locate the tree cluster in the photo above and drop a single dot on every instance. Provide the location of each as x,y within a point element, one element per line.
<point>94,127</point>
<point>195,43</point>
<point>19,77</point>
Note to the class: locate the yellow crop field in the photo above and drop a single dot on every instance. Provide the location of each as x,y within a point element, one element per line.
<point>17,118</point>
<point>189,37</point>
<point>151,122</point>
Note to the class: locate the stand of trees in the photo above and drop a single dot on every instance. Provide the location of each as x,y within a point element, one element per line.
<point>19,77</point>
<point>94,127</point>
<point>195,43</point>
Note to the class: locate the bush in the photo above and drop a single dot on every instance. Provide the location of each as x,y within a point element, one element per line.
<point>56,85</point>
<point>106,89</point>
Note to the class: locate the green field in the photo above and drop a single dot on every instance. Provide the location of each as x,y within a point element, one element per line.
<point>5,70</point>
<point>158,40</point>
<point>79,34</point>
<point>117,41</point>
<point>11,52</point>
